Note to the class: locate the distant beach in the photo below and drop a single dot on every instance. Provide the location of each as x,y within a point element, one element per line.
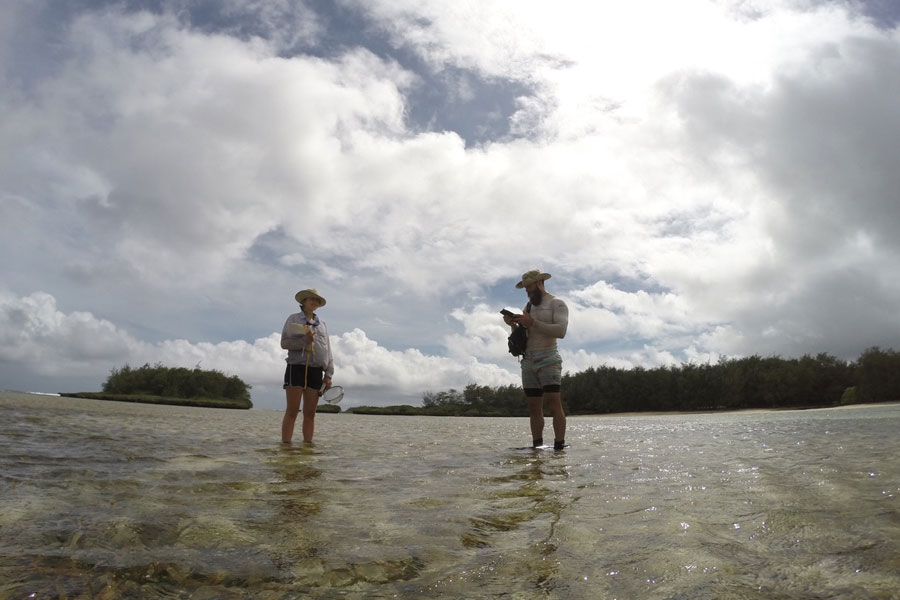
<point>167,400</point>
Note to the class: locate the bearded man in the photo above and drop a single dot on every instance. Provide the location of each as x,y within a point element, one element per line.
<point>546,319</point>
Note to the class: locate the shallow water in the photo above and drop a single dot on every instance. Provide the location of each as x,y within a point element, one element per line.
<point>113,500</point>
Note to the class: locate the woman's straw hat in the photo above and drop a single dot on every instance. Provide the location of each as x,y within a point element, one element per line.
<point>310,293</point>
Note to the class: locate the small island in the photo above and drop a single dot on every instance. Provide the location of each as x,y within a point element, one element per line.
<point>175,386</point>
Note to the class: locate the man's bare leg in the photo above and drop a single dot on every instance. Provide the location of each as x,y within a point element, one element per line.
<point>536,416</point>
<point>554,403</point>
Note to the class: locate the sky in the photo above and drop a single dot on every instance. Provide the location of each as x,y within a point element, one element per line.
<point>704,179</point>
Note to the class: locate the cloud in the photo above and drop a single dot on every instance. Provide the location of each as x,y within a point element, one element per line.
<point>491,39</point>
<point>406,374</point>
<point>285,24</point>
<point>171,148</point>
<point>34,332</point>
<point>706,179</point>
<point>817,140</point>
<point>37,333</point>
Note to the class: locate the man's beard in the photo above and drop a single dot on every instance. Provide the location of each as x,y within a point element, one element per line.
<point>535,297</point>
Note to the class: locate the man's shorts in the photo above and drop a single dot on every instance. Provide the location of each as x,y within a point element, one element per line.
<point>541,372</point>
<point>294,376</point>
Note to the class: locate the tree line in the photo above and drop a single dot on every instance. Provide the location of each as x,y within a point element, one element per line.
<point>179,382</point>
<point>730,384</point>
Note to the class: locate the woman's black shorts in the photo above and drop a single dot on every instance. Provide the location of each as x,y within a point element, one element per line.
<point>294,377</point>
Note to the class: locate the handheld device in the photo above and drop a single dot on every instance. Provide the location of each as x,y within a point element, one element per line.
<point>507,313</point>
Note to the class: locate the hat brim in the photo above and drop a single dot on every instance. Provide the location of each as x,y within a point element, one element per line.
<point>304,294</point>
<point>541,277</point>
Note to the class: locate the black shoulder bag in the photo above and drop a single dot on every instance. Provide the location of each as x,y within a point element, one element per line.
<point>518,339</point>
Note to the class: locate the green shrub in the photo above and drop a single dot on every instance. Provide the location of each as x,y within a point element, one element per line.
<point>175,383</point>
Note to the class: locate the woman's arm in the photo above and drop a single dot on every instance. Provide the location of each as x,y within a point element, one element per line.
<point>329,365</point>
<point>291,340</point>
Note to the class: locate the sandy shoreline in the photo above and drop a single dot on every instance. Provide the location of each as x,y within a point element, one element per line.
<point>135,399</point>
<point>739,410</point>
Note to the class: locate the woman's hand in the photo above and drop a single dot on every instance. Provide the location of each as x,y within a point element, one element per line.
<point>301,329</point>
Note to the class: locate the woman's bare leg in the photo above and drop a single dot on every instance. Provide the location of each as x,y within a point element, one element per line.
<point>310,402</point>
<point>290,413</point>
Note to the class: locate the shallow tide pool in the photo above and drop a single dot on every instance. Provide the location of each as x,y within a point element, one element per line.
<point>114,500</point>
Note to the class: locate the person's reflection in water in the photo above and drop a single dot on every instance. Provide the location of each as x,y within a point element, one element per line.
<point>295,489</point>
<point>525,501</point>
<point>519,498</point>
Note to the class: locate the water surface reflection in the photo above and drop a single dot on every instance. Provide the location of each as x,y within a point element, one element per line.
<point>116,500</point>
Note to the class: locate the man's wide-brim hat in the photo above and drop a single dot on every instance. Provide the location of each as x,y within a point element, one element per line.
<point>532,277</point>
<point>310,293</point>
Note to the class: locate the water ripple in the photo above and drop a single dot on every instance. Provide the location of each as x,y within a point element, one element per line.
<point>109,500</point>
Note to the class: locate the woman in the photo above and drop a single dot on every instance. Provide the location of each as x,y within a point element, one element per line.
<point>309,364</point>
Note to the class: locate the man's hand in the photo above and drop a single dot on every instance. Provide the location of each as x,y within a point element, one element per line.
<point>525,320</point>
